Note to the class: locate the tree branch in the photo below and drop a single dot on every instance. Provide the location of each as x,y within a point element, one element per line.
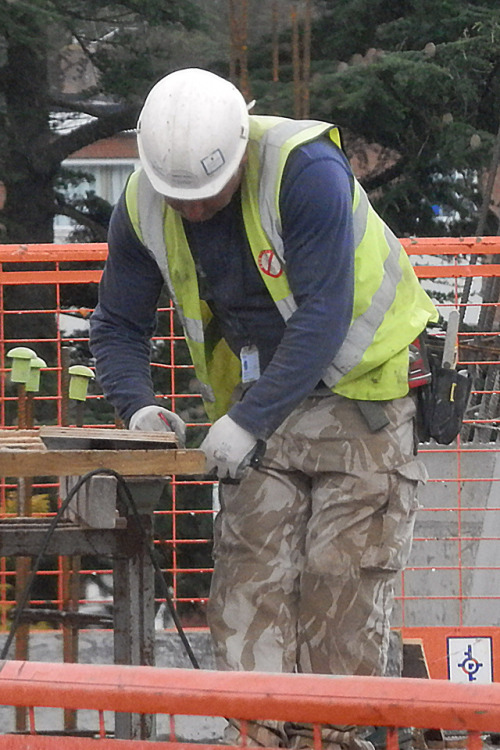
<point>48,158</point>
<point>387,175</point>
<point>65,209</point>
<point>88,106</point>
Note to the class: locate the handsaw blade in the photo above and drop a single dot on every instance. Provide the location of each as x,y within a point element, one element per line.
<point>450,350</point>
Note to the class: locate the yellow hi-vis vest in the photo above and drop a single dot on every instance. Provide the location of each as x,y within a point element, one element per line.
<point>390,307</point>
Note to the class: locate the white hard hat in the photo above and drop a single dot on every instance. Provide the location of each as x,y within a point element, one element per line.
<point>192,134</point>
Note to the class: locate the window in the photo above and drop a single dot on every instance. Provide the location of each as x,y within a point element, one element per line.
<point>110,176</point>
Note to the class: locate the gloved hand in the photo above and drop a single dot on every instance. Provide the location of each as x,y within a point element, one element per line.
<point>228,448</point>
<point>158,419</point>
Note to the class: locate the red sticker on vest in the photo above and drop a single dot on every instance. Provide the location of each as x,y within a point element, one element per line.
<point>269,264</point>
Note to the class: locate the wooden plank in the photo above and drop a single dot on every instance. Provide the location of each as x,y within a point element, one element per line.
<point>25,445</point>
<point>20,463</point>
<point>104,438</point>
<point>17,434</point>
<point>20,437</point>
<point>6,441</point>
<point>104,433</point>
<point>71,434</point>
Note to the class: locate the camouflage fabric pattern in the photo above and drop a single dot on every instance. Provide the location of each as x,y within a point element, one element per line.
<point>294,736</point>
<point>307,547</point>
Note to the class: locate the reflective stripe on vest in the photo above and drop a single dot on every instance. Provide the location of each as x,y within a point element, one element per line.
<point>363,328</point>
<point>151,211</point>
<point>147,212</point>
<point>390,308</point>
<point>272,163</point>
<point>276,141</point>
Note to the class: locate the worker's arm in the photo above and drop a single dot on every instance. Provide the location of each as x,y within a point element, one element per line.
<point>125,318</point>
<point>316,208</point>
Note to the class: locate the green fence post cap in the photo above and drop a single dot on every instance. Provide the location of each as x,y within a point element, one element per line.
<point>33,382</point>
<point>21,363</point>
<point>79,381</point>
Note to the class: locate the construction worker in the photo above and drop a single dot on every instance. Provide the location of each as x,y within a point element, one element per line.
<point>298,305</point>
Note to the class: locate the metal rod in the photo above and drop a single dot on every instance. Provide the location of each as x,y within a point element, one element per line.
<point>306,61</point>
<point>70,566</point>
<point>23,564</point>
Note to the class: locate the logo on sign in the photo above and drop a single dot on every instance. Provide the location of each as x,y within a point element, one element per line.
<point>269,264</point>
<point>470,665</point>
<point>470,660</point>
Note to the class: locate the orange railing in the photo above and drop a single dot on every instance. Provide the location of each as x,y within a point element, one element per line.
<point>460,494</point>
<point>64,273</point>
<point>451,580</point>
<point>313,699</point>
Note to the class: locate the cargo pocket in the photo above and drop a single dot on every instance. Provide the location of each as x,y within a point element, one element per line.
<point>221,536</point>
<point>393,550</point>
<point>217,536</point>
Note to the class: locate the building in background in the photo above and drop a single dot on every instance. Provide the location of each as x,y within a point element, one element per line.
<point>108,163</point>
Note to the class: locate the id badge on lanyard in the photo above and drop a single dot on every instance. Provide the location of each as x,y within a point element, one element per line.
<point>250,366</point>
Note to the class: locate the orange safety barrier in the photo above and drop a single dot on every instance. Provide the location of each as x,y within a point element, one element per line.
<point>245,696</point>
<point>62,269</point>
<point>454,247</point>
<point>453,576</point>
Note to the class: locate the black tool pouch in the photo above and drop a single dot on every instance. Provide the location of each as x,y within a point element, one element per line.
<point>442,403</point>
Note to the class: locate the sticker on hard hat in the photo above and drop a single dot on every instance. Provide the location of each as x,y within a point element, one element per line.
<point>213,161</point>
<point>179,179</point>
<point>269,264</point>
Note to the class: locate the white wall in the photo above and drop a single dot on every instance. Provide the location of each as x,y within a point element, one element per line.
<point>110,176</point>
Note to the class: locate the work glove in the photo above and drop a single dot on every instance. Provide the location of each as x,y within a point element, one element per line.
<point>229,448</point>
<point>158,419</point>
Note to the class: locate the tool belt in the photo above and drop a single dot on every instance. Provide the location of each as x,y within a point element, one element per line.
<point>442,395</point>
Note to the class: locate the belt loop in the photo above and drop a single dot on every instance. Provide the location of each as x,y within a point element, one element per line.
<point>374,414</point>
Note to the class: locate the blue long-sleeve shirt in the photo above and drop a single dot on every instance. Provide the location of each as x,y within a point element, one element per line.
<point>316,213</point>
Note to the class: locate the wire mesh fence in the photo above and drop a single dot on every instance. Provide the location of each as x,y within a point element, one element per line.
<point>47,295</point>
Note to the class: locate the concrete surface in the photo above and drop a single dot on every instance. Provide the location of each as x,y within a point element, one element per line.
<point>455,542</point>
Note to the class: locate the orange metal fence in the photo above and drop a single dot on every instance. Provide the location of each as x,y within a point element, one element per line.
<point>47,294</point>
<point>453,578</point>
<point>392,703</point>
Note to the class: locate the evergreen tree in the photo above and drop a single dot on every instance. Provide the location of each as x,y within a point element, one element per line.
<point>419,79</point>
<point>125,46</point>
<point>48,49</point>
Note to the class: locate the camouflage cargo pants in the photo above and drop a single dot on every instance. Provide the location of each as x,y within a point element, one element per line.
<point>308,546</point>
